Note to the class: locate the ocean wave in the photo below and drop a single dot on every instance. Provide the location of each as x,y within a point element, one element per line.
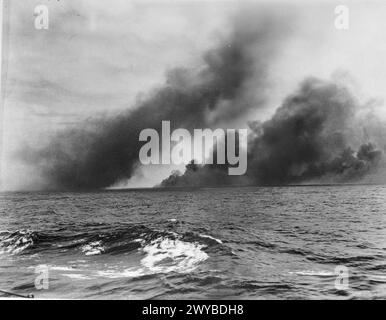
<point>321,273</point>
<point>91,243</point>
<point>164,250</point>
<point>126,273</point>
<point>210,237</point>
<point>167,255</point>
<point>77,276</point>
<point>15,242</point>
<point>93,248</point>
<point>62,268</point>
<point>163,255</point>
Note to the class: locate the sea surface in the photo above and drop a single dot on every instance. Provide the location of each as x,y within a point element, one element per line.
<point>212,243</point>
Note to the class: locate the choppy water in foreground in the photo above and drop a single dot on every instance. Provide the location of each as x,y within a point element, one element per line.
<point>236,243</point>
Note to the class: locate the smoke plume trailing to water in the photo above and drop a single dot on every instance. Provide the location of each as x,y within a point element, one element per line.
<point>105,152</point>
<point>315,135</point>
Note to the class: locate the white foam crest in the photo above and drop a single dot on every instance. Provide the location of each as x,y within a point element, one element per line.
<point>127,273</point>
<point>77,276</point>
<point>210,237</point>
<point>62,268</point>
<point>14,243</point>
<point>163,255</point>
<point>313,273</point>
<point>166,255</point>
<point>93,248</point>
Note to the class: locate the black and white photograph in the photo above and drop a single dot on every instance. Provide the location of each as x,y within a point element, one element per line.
<point>193,150</point>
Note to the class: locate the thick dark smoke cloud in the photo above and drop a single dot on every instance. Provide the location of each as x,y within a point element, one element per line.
<point>103,152</point>
<point>312,136</point>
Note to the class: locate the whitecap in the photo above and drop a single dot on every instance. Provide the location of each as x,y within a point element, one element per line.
<point>76,276</point>
<point>162,255</point>
<point>62,268</point>
<point>93,248</point>
<point>15,242</point>
<point>210,237</point>
<point>165,255</point>
<point>127,273</point>
<point>313,273</point>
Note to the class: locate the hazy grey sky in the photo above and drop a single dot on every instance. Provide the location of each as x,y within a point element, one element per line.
<point>97,56</point>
